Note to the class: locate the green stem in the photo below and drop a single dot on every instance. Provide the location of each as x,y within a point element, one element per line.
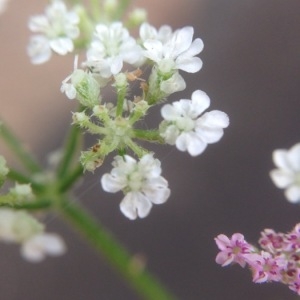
<point>96,10</point>
<point>70,150</point>
<point>37,205</point>
<point>148,135</point>
<point>67,182</point>
<point>120,11</point>
<point>18,149</point>
<point>138,150</point>
<point>14,175</point>
<point>144,283</point>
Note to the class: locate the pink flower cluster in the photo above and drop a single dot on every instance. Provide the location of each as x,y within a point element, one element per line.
<point>278,260</point>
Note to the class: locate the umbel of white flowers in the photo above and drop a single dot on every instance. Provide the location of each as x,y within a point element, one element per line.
<point>164,53</point>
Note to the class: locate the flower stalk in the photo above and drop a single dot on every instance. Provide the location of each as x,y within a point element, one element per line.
<point>143,282</point>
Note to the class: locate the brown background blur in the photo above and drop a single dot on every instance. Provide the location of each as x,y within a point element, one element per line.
<point>252,72</point>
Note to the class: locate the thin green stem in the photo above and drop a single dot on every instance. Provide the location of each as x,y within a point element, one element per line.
<point>18,149</point>
<point>37,205</point>
<point>120,11</point>
<point>70,149</point>
<point>96,10</point>
<point>14,175</point>
<point>148,135</point>
<point>143,282</point>
<point>68,181</point>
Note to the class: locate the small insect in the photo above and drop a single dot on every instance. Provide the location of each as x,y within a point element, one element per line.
<point>95,148</point>
<point>135,75</point>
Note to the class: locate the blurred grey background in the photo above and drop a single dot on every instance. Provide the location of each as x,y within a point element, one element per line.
<point>251,71</point>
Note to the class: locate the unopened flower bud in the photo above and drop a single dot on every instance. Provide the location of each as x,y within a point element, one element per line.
<point>174,84</point>
<point>87,88</point>
<point>22,192</point>
<point>137,17</point>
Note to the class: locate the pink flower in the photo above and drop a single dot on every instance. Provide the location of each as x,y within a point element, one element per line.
<point>267,268</point>
<point>294,284</point>
<point>293,239</point>
<point>272,241</point>
<point>234,250</point>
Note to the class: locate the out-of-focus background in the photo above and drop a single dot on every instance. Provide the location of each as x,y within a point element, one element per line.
<point>252,72</point>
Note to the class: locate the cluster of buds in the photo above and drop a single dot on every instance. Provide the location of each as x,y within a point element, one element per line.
<point>277,261</point>
<point>117,61</point>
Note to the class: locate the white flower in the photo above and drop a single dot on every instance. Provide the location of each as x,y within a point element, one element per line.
<point>184,128</point>
<point>140,181</point>
<point>56,31</point>
<point>172,51</point>
<point>287,176</point>
<point>17,226</point>
<point>37,247</point>
<point>111,47</point>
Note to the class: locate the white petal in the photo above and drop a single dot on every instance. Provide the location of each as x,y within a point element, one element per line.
<point>213,119</point>
<point>135,204</point>
<point>189,64</point>
<point>200,102</point>
<point>293,194</point>
<point>195,48</point>
<point>112,184</point>
<point>169,112</point>
<point>293,157</point>
<point>280,159</point>
<point>209,135</point>
<point>190,142</point>
<point>62,45</point>
<point>116,65</point>
<point>182,40</point>
<point>39,49</point>
<point>282,178</point>
<point>36,248</point>
<point>154,50</point>
<point>157,191</point>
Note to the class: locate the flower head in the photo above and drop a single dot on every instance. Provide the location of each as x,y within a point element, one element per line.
<point>266,267</point>
<point>287,174</point>
<point>111,47</point>
<point>172,50</point>
<point>234,250</point>
<point>141,183</point>
<point>184,128</point>
<point>55,30</point>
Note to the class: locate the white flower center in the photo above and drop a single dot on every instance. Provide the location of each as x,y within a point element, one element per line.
<point>135,181</point>
<point>185,124</point>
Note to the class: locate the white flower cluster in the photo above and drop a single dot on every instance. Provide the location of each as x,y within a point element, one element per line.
<point>287,174</point>
<point>164,53</point>
<point>19,227</point>
<point>55,30</point>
